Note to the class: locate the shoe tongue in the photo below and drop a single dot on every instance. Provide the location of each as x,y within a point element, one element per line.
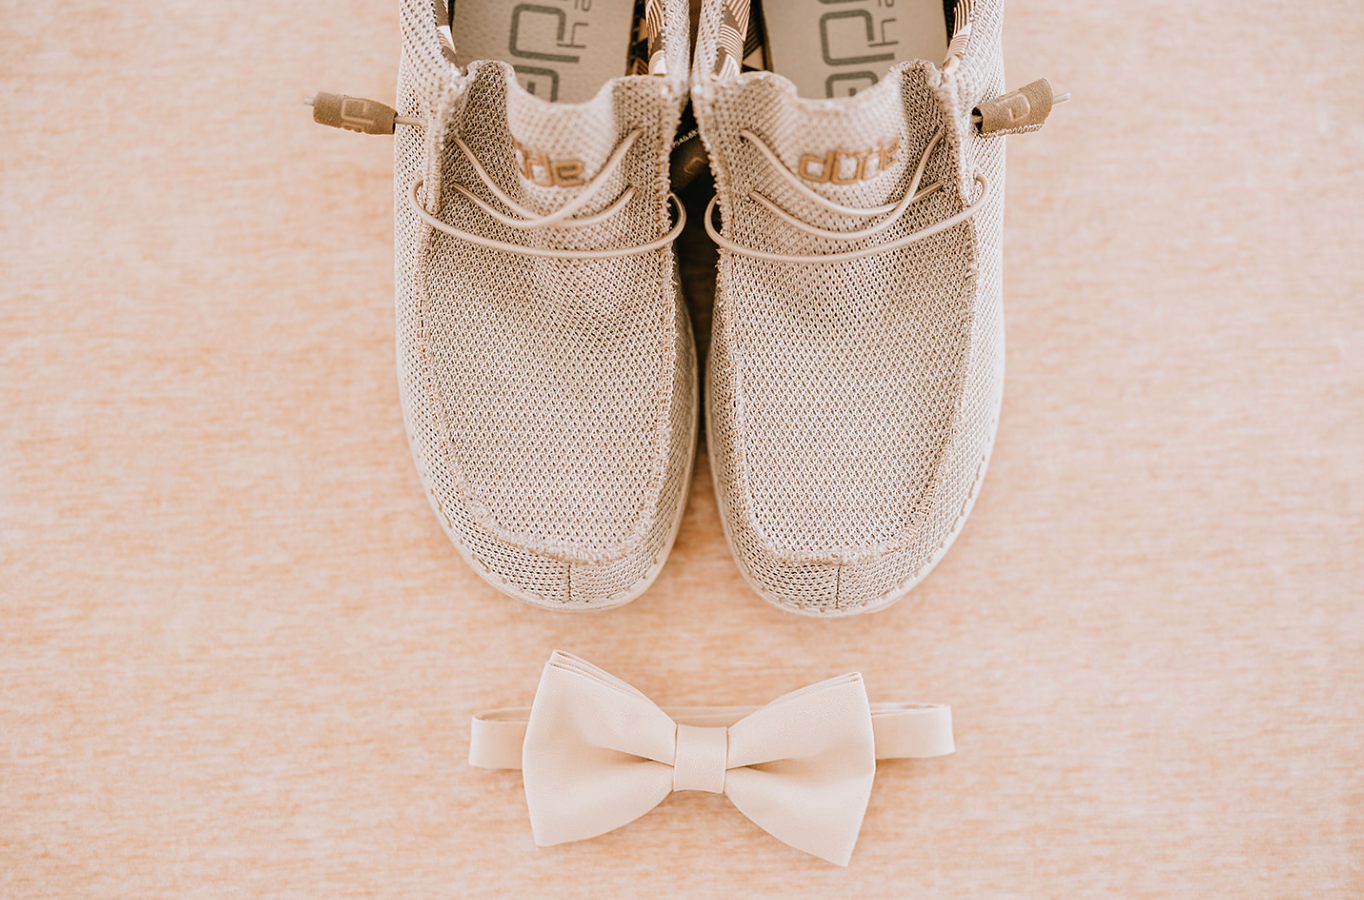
<point>563,143</point>
<point>543,154</point>
<point>838,148</point>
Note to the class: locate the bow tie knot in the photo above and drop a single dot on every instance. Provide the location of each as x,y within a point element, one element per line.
<point>701,759</point>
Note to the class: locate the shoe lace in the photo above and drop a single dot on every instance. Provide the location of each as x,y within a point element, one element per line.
<point>892,212</point>
<point>563,217</point>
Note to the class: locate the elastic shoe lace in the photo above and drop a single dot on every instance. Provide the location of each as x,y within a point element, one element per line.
<point>893,212</point>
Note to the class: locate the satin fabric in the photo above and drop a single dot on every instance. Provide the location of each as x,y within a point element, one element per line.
<point>597,754</point>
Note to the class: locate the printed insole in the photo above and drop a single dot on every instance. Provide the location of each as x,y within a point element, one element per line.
<point>835,48</point>
<point>562,50</point>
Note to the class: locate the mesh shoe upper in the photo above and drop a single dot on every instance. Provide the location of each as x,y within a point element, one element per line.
<point>550,401</point>
<point>852,404</point>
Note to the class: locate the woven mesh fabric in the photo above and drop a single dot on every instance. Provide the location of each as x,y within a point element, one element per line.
<point>852,406</point>
<point>550,403</point>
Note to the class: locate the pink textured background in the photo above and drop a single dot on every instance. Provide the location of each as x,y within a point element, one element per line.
<point>238,657</point>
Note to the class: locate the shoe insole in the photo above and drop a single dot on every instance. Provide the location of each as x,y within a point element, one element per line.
<point>835,48</point>
<point>562,50</point>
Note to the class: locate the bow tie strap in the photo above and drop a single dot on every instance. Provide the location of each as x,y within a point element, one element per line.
<point>902,730</point>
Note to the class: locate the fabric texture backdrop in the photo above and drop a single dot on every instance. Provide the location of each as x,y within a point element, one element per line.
<point>238,657</point>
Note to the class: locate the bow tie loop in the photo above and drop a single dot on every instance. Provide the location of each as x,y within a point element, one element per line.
<point>701,758</point>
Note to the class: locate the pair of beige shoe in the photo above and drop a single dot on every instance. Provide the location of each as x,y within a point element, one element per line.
<point>545,357</point>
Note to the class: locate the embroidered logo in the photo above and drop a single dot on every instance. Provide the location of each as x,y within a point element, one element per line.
<point>545,171</point>
<point>841,166</point>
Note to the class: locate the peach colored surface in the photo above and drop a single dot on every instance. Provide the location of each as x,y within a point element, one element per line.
<point>238,657</point>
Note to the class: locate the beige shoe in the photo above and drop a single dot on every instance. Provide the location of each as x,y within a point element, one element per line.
<point>545,359</point>
<point>857,361</point>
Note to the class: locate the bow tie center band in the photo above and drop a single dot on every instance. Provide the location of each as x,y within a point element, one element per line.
<point>596,754</point>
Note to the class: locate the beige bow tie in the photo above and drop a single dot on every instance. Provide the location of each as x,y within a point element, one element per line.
<point>597,754</point>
